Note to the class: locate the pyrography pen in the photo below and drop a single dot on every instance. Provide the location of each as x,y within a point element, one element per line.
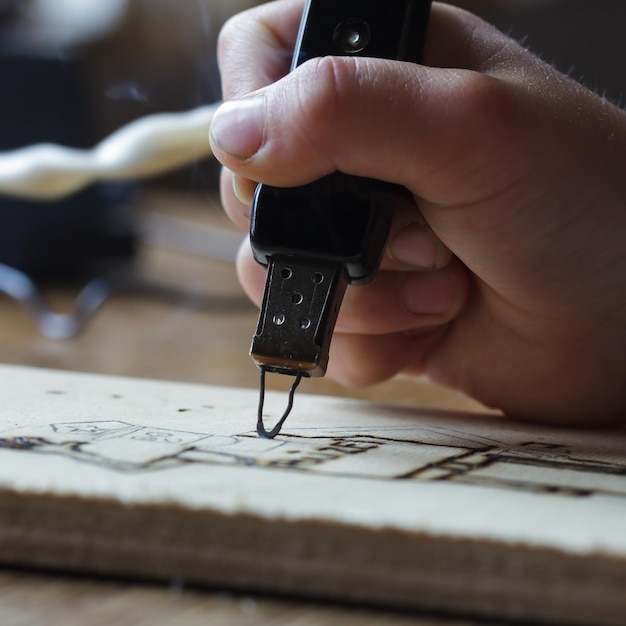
<point>317,239</point>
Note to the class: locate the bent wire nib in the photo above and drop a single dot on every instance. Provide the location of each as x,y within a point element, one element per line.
<point>300,306</point>
<point>260,426</point>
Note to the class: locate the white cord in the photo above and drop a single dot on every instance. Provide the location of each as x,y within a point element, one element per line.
<point>146,147</point>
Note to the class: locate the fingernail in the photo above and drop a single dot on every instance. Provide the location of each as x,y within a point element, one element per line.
<point>243,190</point>
<point>430,293</point>
<point>238,127</point>
<point>417,246</point>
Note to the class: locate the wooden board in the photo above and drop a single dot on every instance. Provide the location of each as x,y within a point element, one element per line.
<point>354,501</point>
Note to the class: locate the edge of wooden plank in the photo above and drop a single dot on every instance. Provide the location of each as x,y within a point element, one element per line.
<point>311,559</point>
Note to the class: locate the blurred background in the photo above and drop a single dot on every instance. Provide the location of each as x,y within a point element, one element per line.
<point>74,71</point>
<point>102,63</point>
<point>142,56</point>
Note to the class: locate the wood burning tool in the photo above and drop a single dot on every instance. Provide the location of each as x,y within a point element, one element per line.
<point>318,238</point>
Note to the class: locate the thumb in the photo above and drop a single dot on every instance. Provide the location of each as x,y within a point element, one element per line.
<point>400,122</point>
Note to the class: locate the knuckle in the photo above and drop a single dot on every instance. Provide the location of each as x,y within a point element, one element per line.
<point>237,29</point>
<point>478,121</point>
<point>325,86</point>
<point>317,88</point>
<point>484,99</point>
<point>337,78</point>
<point>226,35</point>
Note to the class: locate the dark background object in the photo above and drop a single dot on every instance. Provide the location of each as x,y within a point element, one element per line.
<point>42,100</point>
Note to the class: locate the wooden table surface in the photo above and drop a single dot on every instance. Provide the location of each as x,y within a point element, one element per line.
<point>185,318</point>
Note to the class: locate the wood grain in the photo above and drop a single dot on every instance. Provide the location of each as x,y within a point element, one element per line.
<point>355,502</point>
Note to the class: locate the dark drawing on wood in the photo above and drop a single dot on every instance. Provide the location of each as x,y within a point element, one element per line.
<point>457,456</point>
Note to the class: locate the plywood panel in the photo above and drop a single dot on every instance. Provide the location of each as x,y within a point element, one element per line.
<point>353,501</point>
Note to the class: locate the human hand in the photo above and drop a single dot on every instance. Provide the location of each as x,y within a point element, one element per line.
<point>505,278</point>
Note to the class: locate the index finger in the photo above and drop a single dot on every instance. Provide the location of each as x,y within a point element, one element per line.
<point>255,47</point>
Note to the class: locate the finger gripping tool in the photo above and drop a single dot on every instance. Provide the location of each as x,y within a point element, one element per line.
<point>318,238</point>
